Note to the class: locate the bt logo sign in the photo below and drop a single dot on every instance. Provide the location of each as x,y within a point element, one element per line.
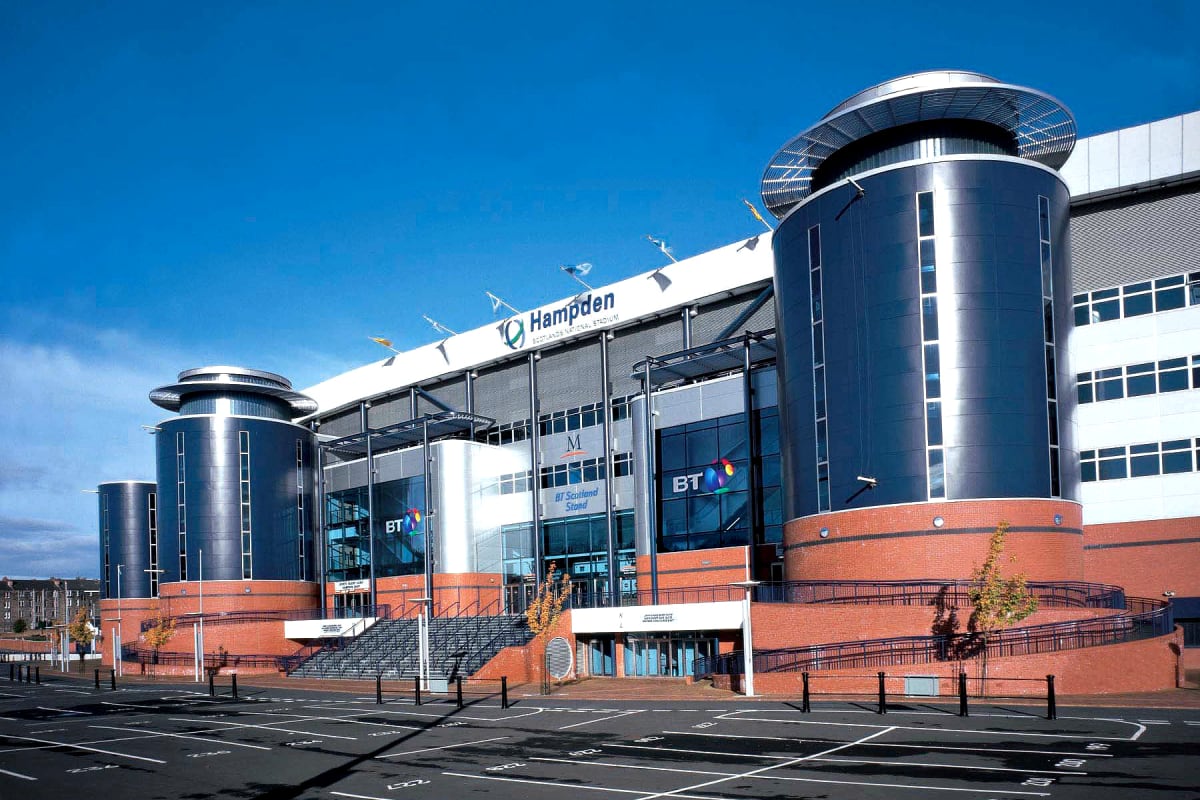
<point>408,524</point>
<point>715,478</point>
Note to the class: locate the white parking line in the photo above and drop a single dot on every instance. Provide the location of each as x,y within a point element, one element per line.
<point>769,767</point>
<point>64,711</point>
<point>264,728</point>
<point>601,719</point>
<point>351,719</point>
<point>1000,751</point>
<point>84,747</point>
<point>574,786</point>
<point>782,777</point>
<point>443,747</point>
<point>733,717</point>
<point>17,775</point>
<point>149,734</point>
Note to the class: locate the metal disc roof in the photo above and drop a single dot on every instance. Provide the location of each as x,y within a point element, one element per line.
<point>232,379</point>
<point>1043,128</point>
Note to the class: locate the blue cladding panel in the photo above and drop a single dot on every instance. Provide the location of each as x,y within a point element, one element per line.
<point>129,537</point>
<point>213,504</point>
<point>990,327</point>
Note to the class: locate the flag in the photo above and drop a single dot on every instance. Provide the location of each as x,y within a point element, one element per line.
<point>496,301</point>
<point>757,215</point>
<point>577,269</point>
<point>660,244</point>
<point>384,342</point>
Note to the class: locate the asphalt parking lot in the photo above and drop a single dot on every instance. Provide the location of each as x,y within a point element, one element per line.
<point>61,739</point>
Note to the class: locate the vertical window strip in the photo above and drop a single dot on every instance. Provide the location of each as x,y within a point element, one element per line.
<point>930,348</point>
<point>300,523</point>
<point>152,519</point>
<point>105,531</point>
<point>181,507</point>
<point>1047,258</point>
<point>244,480</point>
<point>820,421</point>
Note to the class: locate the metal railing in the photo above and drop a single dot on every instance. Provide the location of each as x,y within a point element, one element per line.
<point>241,617</point>
<point>1150,619</point>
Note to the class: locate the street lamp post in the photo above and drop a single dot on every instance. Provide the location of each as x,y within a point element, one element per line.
<point>118,631</point>
<point>423,640</point>
<point>747,636</point>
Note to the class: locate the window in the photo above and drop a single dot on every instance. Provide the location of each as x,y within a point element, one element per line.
<point>931,354</point>
<point>244,481</point>
<point>509,432</point>
<point>1139,380</point>
<point>1140,460</point>
<point>819,393</point>
<point>180,494</point>
<point>1137,299</point>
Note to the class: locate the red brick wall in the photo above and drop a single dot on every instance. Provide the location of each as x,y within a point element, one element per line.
<point>1155,565</point>
<point>454,594</point>
<point>794,625</point>
<point>1094,670</point>
<point>132,611</point>
<point>184,597</point>
<point>521,664</point>
<point>27,646</point>
<point>695,568</point>
<point>916,549</point>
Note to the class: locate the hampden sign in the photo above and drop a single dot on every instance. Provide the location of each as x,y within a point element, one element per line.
<point>581,313</point>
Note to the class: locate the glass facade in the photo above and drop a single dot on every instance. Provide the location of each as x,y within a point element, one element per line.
<point>399,532</point>
<point>577,545</point>
<point>704,497</point>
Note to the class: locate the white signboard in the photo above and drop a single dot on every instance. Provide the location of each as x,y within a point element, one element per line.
<point>348,587</point>
<point>324,628</point>
<point>678,617</point>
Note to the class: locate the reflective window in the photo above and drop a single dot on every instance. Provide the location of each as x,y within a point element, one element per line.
<point>1137,299</point>
<point>1137,380</point>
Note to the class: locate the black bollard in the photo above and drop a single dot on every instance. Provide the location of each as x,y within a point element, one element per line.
<point>37,674</point>
<point>882,694</point>
<point>112,679</point>
<point>417,690</point>
<point>804,706</point>
<point>212,688</point>
<point>233,683</point>
<point>378,690</point>
<point>10,672</point>
<point>1051,703</point>
<point>962,694</point>
<point>504,691</point>
<point>97,678</point>
<point>458,690</point>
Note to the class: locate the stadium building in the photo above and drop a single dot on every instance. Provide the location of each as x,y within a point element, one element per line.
<point>963,317</point>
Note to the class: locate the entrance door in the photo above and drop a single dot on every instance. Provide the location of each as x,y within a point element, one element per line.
<point>600,656</point>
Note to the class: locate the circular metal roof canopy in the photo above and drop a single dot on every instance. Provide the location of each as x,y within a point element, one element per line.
<point>1042,127</point>
<point>232,379</point>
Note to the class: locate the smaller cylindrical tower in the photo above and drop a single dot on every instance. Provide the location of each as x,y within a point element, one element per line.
<point>236,478</point>
<point>128,539</point>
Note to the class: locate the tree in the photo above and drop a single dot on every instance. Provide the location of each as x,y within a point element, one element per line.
<point>998,601</point>
<point>160,634</point>
<point>20,626</point>
<point>543,614</point>
<point>80,630</point>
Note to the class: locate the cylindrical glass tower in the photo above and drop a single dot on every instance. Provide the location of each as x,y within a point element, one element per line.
<point>236,478</point>
<point>922,272</point>
<point>128,539</point>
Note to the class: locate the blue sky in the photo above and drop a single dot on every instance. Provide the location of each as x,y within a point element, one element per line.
<point>267,184</point>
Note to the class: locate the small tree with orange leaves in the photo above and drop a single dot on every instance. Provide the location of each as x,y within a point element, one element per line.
<point>999,601</point>
<point>543,614</point>
<point>158,636</point>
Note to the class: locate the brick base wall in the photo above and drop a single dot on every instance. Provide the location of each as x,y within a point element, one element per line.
<point>1146,558</point>
<point>903,543</point>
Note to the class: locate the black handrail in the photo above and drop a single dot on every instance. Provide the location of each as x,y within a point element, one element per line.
<point>1050,637</point>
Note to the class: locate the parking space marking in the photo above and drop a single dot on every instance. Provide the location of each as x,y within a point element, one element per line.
<point>64,711</point>
<point>350,718</point>
<point>443,747</point>
<point>264,728</point>
<point>82,747</point>
<point>1001,751</point>
<point>358,796</point>
<point>971,767</point>
<point>150,734</point>
<point>17,775</point>
<point>577,786</point>
<point>601,719</point>
<point>531,713</point>
<point>928,730</point>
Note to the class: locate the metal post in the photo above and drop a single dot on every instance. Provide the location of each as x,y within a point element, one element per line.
<point>37,674</point>
<point>10,672</point>
<point>804,706</point>
<point>319,540</point>
<point>378,690</point>
<point>962,694</point>
<point>882,694</point>
<point>504,691</point>
<point>97,678</point>
<point>458,690</point>
<point>748,399</point>
<point>233,684</point>
<point>200,651</point>
<point>1051,703</point>
<point>648,443</point>
<point>212,686</point>
<point>371,510</point>
<point>428,519</point>
<point>417,691</point>
<point>535,465</point>
<point>112,679</point>
<point>614,573</point>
